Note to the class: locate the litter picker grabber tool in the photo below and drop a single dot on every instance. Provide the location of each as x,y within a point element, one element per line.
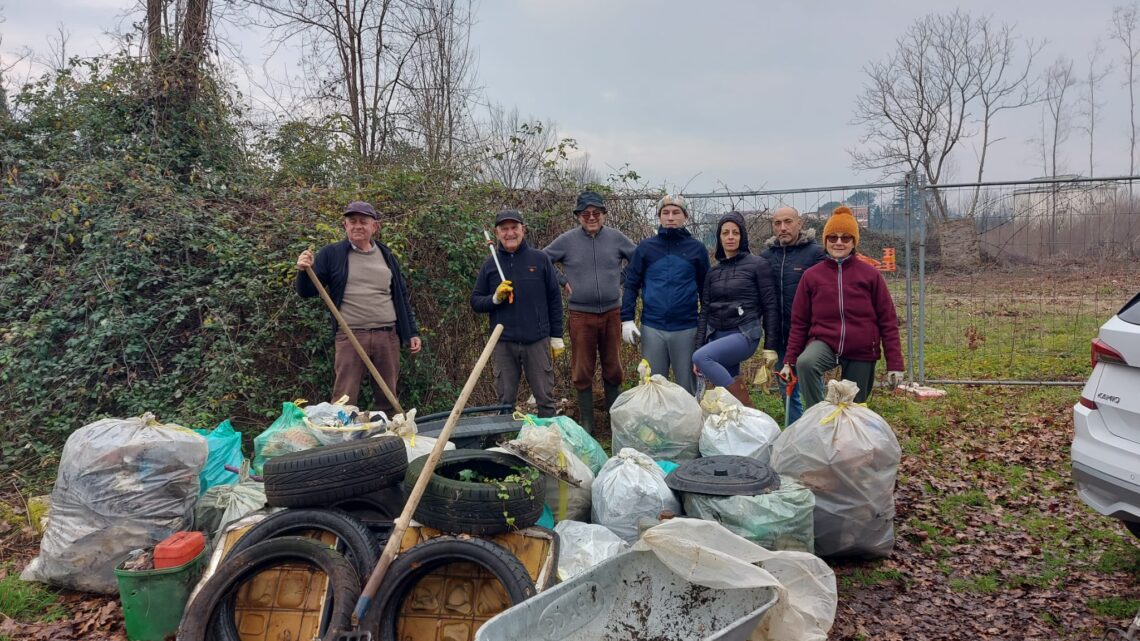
<point>495,256</point>
<point>789,387</point>
<point>400,417</point>
<point>400,525</point>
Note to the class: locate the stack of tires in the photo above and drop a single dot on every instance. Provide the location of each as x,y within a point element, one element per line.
<point>353,491</point>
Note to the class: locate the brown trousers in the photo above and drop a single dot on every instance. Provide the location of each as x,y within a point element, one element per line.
<point>594,336</point>
<point>383,347</point>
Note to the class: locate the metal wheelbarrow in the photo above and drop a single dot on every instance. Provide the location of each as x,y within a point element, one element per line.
<point>632,597</point>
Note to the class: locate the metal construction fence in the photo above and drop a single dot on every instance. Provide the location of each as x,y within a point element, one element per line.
<point>1000,282</point>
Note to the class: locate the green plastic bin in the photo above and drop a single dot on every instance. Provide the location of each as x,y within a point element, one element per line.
<point>153,600</point>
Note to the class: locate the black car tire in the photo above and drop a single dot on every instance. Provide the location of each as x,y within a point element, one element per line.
<point>323,475</point>
<point>474,507</point>
<point>202,620</point>
<point>417,562</point>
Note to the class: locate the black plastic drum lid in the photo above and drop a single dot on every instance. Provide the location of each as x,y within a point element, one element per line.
<point>724,475</point>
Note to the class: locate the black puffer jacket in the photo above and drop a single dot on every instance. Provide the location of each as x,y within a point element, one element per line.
<point>739,292</point>
<point>788,265</point>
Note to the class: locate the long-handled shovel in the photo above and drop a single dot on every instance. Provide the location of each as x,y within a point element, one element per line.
<point>400,418</point>
<point>401,524</point>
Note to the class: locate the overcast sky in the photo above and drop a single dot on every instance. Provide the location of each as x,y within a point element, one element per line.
<point>705,95</point>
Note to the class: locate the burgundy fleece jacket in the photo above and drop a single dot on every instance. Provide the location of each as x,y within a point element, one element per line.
<point>847,306</point>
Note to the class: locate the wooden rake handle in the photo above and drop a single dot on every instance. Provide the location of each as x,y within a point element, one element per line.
<point>401,524</point>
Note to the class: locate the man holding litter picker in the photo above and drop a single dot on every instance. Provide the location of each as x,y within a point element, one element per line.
<point>518,288</point>
<point>364,281</point>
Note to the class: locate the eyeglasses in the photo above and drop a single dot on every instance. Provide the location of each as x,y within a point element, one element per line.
<point>588,215</point>
<point>839,238</point>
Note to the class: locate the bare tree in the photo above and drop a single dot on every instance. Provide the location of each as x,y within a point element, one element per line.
<point>1090,108</point>
<point>1123,29</point>
<point>441,79</point>
<point>358,51</point>
<point>515,151</point>
<point>1059,81</point>
<point>947,71</point>
<point>1002,77</point>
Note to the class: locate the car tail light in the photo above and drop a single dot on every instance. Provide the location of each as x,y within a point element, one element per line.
<point>1102,353</point>
<point>1088,402</point>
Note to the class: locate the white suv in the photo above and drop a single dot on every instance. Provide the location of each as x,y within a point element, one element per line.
<point>1106,445</point>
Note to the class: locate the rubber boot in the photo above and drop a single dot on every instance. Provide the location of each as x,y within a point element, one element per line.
<point>739,390</point>
<point>612,392</point>
<point>586,409</point>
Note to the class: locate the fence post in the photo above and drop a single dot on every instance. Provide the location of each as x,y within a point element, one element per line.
<point>907,207</point>
<point>922,282</point>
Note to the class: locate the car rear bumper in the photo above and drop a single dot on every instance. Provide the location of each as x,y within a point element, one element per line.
<point>1105,469</point>
<point>1107,495</point>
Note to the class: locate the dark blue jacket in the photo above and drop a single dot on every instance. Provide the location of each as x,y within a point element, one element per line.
<point>331,267</point>
<point>536,313</point>
<point>788,265</point>
<point>738,293</point>
<point>668,271</point>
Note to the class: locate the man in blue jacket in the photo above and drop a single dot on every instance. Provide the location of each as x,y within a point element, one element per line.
<point>363,279</point>
<point>529,306</point>
<point>668,272</point>
<point>790,251</point>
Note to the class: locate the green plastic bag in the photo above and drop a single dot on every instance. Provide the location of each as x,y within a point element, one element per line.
<point>575,436</point>
<point>289,433</point>
<point>225,449</point>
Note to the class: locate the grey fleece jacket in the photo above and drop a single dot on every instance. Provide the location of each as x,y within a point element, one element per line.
<point>593,265</point>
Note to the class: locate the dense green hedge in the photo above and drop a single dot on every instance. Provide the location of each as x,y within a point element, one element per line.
<point>147,262</point>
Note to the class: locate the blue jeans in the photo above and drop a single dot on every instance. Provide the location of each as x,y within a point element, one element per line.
<point>719,359</point>
<point>797,407</point>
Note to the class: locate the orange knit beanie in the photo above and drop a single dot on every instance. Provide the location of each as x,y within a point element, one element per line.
<point>842,221</point>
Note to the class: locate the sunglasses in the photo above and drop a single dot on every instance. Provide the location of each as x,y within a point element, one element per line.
<point>591,214</point>
<point>839,238</point>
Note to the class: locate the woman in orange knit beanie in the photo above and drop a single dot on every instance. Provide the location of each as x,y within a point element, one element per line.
<point>841,315</point>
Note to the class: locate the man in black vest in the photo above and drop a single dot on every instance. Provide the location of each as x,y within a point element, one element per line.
<point>363,279</point>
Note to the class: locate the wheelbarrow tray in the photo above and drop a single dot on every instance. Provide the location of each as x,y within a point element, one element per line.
<point>632,597</point>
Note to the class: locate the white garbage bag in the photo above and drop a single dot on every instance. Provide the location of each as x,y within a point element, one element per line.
<point>568,479</point>
<point>849,457</point>
<point>629,487</point>
<point>659,418</point>
<point>122,485</point>
<point>731,428</point>
<point>581,546</point>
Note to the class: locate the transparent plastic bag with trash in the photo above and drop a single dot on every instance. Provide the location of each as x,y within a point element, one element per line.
<point>849,457</point>
<point>568,479</point>
<point>222,504</point>
<point>289,433</point>
<point>573,435</point>
<point>122,484</point>
<point>731,428</point>
<point>581,546</point>
<point>658,418</point>
<point>782,519</point>
<point>339,422</point>
<point>629,487</point>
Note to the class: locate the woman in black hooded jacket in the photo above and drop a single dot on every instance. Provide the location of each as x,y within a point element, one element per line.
<point>738,306</point>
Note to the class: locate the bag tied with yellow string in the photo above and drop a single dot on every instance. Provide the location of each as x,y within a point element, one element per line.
<point>849,457</point>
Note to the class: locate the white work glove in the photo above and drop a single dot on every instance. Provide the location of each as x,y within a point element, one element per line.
<point>629,332</point>
<point>557,346</point>
<point>894,379</point>
<point>786,372</point>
